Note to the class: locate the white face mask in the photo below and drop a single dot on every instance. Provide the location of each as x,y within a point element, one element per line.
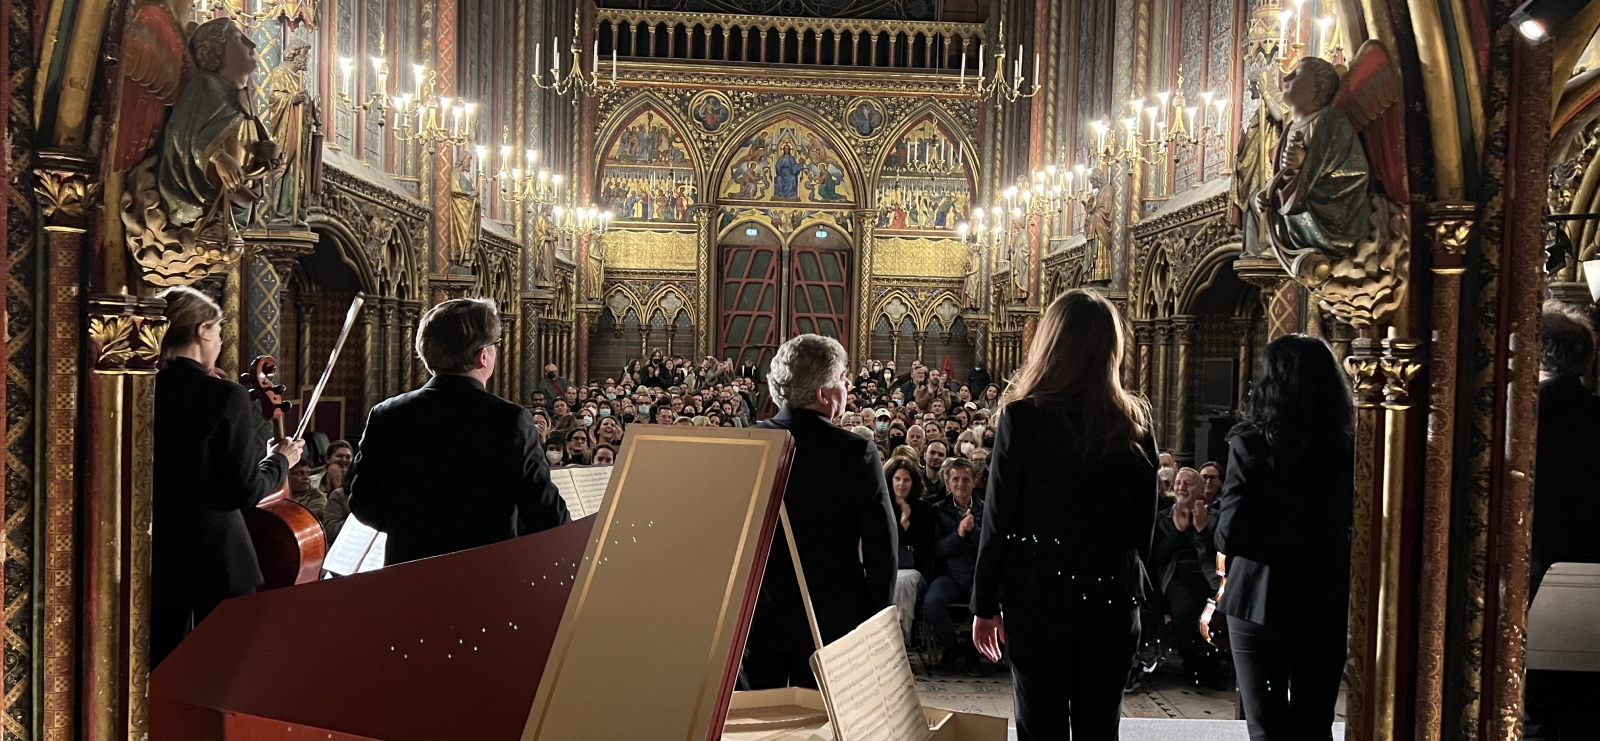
<point>978,430</point>
<point>966,448</point>
<point>554,456</point>
<point>587,420</point>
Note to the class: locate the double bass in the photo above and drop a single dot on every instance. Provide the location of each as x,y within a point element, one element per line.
<point>288,540</point>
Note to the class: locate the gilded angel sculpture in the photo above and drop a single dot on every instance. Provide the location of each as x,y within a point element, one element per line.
<point>1331,226</point>
<point>182,206</point>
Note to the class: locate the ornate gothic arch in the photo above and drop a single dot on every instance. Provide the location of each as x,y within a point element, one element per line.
<point>640,104</point>
<point>719,172</point>
<point>941,118</point>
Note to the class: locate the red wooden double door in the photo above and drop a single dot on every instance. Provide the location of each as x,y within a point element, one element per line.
<point>772,292</point>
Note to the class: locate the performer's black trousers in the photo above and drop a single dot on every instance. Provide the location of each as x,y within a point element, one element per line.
<point>1272,663</point>
<point>1068,668</point>
<point>767,669</point>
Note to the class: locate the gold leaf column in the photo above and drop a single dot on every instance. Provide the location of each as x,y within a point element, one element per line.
<point>1450,226</point>
<point>65,189</point>
<point>705,330</point>
<point>1364,367</point>
<point>865,221</point>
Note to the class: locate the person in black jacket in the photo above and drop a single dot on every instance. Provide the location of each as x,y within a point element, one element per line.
<point>1558,704</point>
<point>844,523</point>
<point>916,517</point>
<point>208,468</point>
<point>1070,510</point>
<point>956,534</point>
<point>1283,522</point>
<point>444,468</point>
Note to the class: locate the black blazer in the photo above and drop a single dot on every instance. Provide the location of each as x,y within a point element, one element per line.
<point>1283,521</point>
<point>210,463</point>
<point>447,467</point>
<point>846,529</point>
<point>1566,502</point>
<point>1062,525</point>
<point>957,554</point>
<point>916,544</point>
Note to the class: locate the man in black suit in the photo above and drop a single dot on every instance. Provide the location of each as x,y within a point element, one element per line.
<point>1565,508</point>
<point>447,467</point>
<point>750,371</point>
<point>845,527</point>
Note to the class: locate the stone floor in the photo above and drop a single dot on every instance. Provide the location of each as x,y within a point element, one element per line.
<point>1165,706</point>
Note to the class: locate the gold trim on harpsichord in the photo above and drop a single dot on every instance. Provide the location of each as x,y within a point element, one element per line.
<point>919,257</point>
<point>651,250</point>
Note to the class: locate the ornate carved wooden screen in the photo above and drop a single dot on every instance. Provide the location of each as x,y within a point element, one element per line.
<point>749,303</point>
<point>821,293</point>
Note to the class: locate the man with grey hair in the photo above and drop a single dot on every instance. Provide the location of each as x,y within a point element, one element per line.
<point>845,527</point>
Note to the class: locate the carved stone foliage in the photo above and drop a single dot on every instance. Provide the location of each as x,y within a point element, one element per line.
<point>1366,286</point>
<point>125,333</point>
<point>64,196</point>
<point>1063,271</point>
<point>1168,248</point>
<point>376,216</point>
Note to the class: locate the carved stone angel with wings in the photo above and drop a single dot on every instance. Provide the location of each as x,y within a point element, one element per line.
<point>1333,229</point>
<point>182,203</point>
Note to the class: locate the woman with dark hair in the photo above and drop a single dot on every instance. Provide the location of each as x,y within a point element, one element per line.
<point>990,399</point>
<point>1283,525</point>
<point>916,517</point>
<point>1070,509</point>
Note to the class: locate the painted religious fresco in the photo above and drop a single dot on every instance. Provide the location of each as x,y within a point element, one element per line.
<point>925,185</point>
<point>647,174</point>
<point>788,162</point>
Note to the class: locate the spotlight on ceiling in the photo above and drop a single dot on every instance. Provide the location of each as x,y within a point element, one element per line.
<point>1537,19</point>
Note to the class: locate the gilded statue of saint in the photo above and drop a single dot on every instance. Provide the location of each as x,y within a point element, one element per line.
<point>972,287</point>
<point>1097,230</point>
<point>214,147</point>
<point>464,214</point>
<point>297,128</point>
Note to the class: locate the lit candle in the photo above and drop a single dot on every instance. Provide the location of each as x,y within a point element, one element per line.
<point>416,72</point>
<point>483,153</point>
<point>538,58</point>
<point>470,108</point>
<point>1100,126</point>
<point>345,68</point>
<point>613,65</point>
<point>594,60</point>
<point>1323,26</point>
<point>963,70</point>
<point>1164,96</point>
<point>1283,32</point>
<point>1036,69</point>
<point>980,64</point>
<point>555,59</point>
<point>456,114</point>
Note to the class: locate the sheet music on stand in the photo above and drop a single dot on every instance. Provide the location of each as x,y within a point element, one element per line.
<point>867,685</point>
<point>583,488</point>
<point>359,548</point>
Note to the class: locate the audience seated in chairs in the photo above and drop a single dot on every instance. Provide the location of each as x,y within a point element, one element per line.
<point>956,533</point>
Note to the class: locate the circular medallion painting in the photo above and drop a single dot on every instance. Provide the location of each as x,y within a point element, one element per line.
<point>864,117</point>
<point>711,110</point>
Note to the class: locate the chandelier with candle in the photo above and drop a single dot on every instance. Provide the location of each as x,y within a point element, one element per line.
<point>997,86</point>
<point>573,79</point>
<point>527,186</point>
<point>1160,125</point>
<point>582,222</point>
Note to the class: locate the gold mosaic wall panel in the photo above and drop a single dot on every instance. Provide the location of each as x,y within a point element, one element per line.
<point>918,257</point>
<point>628,249</point>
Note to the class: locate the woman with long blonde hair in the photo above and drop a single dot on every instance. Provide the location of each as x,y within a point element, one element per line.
<point>1070,508</point>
